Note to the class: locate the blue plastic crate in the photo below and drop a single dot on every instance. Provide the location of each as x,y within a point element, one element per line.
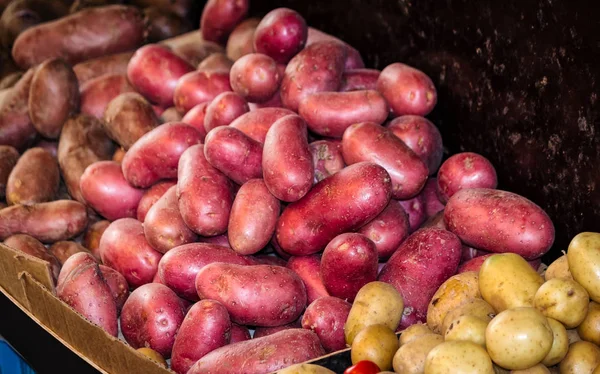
<point>11,362</point>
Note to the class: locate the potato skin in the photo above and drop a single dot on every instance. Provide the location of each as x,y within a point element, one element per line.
<point>327,158</point>
<point>564,300</point>
<point>460,357</point>
<point>281,34</point>
<point>151,196</point>
<point>261,331</point>
<point>198,87</point>
<point>56,38</point>
<point>77,260</point>
<point>388,230</point>
<point>352,61</point>
<point>583,357</point>
<point>240,41</point>
<point>558,269</point>
<point>217,62</point>
<point>375,343</point>
<point>477,217</point>
<point>410,357</point>
<point>195,117</point>
<point>255,77</point>
<point>343,202</point>
<point>32,246</point>
<point>205,328</point>
<point>16,128</point>
<point>419,267</point>
<point>8,159</point>
<point>164,24</point>
<point>97,93</point>
<point>64,249</point>
<point>128,117</point>
<point>256,123</point>
<point>305,369</point>
<point>327,316</point>
<point>117,284</point>
<point>277,294</point>
<point>93,234</point>
<point>589,328</point>
<point>34,179</point>
<point>262,355</point>
<point>582,259</point>
<point>219,18</point>
<point>359,79</point>
<point>114,64</point>
<point>308,269</point>
<point>465,170</point>
<point>239,333</point>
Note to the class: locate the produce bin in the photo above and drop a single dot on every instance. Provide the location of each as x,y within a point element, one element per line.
<point>518,82</point>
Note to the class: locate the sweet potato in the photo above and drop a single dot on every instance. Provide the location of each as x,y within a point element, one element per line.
<point>281,34</point>
<point>216,62</point>
<point>163,24</point>
<point>369,141</point>
<point>240,41</point>
<point>219,18</point>
<point>327,158</point>
<point>499,221</point>
<point>34,179</point>
<point>64,249</point>
<point>308,269</point>
<point>415,208</point>
<point>105,30</point>
<point>91,239</point>
<point>117,284</point>
<point>353,58</point>
<point>419,267</point>
<point>75,261</point>
<point>53,97</point>
<point>199,87</point>
<point>255,77</point>
<point>239,333</point>
<point>151,196</point>
<point>156,154</point>
<point>256,124</point>
<point>465,170</point>
<point>359,79</point>
<point>206,327</point>
<point>127,117</point>
<point>388,230</point>
<point>115,64</point>
<point>256,295</point>
<point>327,316</point>
<point>32,246</point>
<point>47,222</point>
<point>98,92</point>
<point>407,90</point>
<point>223,109</point>
<point>195,117</point>
<point>16,128</point>
<point>8,159</point>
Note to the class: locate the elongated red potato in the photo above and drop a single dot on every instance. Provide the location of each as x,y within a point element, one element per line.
<point>30,245</point>
<point>240,41</point>
<point>419,267</point>
<point>407,90</point>
<point>206,327</point>
<point>223,109</point>
<point>341,203</point>
<point>205,194</point>
<point>219,18</point>
<point>499,221</point>
<point>109,64</point>
<point>34,179</point>
<point>199,87</point>
<point>369,141</point>
<point>308,269</point>
<point>327,158</point>
<point>253,217</point>
<point>128,117</point>
<point>353,58</point>
<point>257,123</point>
<point>8,159</point>
<point>156,154</point>
<point>261,331</point>
<point>331,113</point>
<point>327,317</point>
<point>16,128</point>
<point>93,234</point>
<point>151,196</point>
<point>465,170</point>
<point>388,230</point>
<point>117,284</point>
<point>359,79</point>
<point>81,36</point>
<point>64,249</point>
<point>255,77</point>
<point>98,92</point>
<point>281,34</point>
<point>195,117</point>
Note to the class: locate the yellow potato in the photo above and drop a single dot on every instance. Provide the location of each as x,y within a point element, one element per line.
<point>375,303</point>
<point>467,328</point>
<point>414,331</point>
<point>410,358</point>
<point>560,343</point>
<point>376,343</point>
<point>305,369</point>
<point>564,300</point>
<point>454,292</point>
<point>583,357</point>
<point>589,329</point>
<point>476,307</point>
<point>537,369</point>
<point>507,281</point>
<point>573,336</point>
<point>458,357</point>
<point>584,262</point>
<point>558,269</point>
<point>519,338</point>
<point>153,355</point>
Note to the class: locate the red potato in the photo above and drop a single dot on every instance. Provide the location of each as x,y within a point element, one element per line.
<point>369,141</point>
<point>92,237</point>
<point>151,318</point>
<point>8,159</point>
<point>407,90</point>
<point>465,170</point>
<point>415,208</point>
<point>154,71</point>
<point>268,259</point>
<point>34,179</point>
<point>432,202</point>
<point>216,62</point>
<point>469,253</point>
<point>50,146</point>
<point>327,317</point>
<point>255,77</point>
<point>388,230</point>
<point>123,247</point>
<point>240,41</point>
<point>115,64</point>
<point>419,267</point>
<point>205,194</point>
<point>317,68</point>
<point>420,135</point>
<point>106,190</point>
<point>499,221</point>
<point>287,164</point>
<point>156,154</point>
<point>256,295</point>
<point>195,117</point>
<point>163,226</point>
<point>9,81</point>
<point>327,158</point>
<point>220,17</point>
<point>163,24</point>
<point>171,115</point>
<point>261,331</point>
<point>273,102</point>
<point>16,128</point>
<point>252,218</point>
<point>223,109</point>
<point>263,355</point>
<point>183,8</point>
<point>32,246</point>
<point>151,196</point>
<point>281,34</point>
<point>179,266</point>
<point>437,221</point>
<point>75,261</point>
<point>239,333</point>
<point>257,123</point>
<point>199,87</point>
<point>105,30</point>
<point>221,240</point>
<point>193,50</point>
<point>308,269</point>
<point>341,203</point>
<point>359,79</point>
<point>234,154</point>
<point>128,117</point>
<point>117,284</point>
<point>353,59</point>
<point>53,97</point>
<point>47,222</point>
<point>98,92</point>
<point>205,328</point>
<point>349,262</point>
<point>64,249</point>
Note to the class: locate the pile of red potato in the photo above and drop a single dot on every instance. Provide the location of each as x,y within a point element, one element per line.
<point>250,175</point>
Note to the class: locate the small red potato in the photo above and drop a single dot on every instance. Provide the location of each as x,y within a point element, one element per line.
<point>151,196</point>
<point>117,284</point>
<point>308,269</point>
<point>64,249</point>
<point>240,41</point>
<point>433,204</point>
<point>195,117</point>
<point>216,62</point>
<point>327,316</point>
<point>223,109</point>
<point>16,128</point>
<point>359,79</point>
<point>219,18</point>
<point>115,64</point>
<point>98,92</point>
<point>353,59</point>
<point>465,170</point>
<point>199,87</point>
<point>388,230</point>
<point>128,117</point>
<point>34,179</point>
<point>327,158</point>
<point>407,90</point>
<point>257,123</point>
<point>415,208</point>
<point>151,318</point>
<point>255,77</point>
<point>91,239</point>
<point>8,159</point>
<point>30,245</point>
<point>239,333</point>
<point>281,34</point>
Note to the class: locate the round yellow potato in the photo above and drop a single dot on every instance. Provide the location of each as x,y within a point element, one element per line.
<point>375,303</point>
<point>573,336</point>
<point>376,343</point>
<point>583,357</point>
<point>410,358</point>
<point>467,328</point>
<point>414,331</point>
<point>476,307</point>
<point>537,369</point>
<point>507,281</point>
<point>305,369</point>
<point>519,338</point>
<point>454,292</point>
<point>584,262</point>
<point>458,357</point>
<point>560,343</point>
<point>564,300</point>
<point>589,329</point>
<point>558,269</point>
<point>153,355</point>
